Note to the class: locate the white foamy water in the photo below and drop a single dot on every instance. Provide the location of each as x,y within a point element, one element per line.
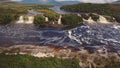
<point>46,19</point>
<point>59,20</point>
<point>116,26</point>
<point>90,20</point>
<point>102,19</point>
<point>73,37</point>
<point>30,20</point>
<point>21,19</point>
<point>87,35</point>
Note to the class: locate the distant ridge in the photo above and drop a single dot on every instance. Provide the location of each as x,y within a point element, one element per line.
<point>68,2</point>
<point>117,2</point>
<point>50,2</point>
<point>4,0</point>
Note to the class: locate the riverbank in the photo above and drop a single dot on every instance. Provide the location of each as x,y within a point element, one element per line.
<point>28,61</point>
<point>86,59</point>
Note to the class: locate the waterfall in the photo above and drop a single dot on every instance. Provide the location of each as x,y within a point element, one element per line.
<point>21,20</point>
<point>78,15</point>
<point>90,20</point>
<point>53,22</point>
<point>102,19</point>
<point>46,19</point>
<point>59,20</point>
<point>30,20</point>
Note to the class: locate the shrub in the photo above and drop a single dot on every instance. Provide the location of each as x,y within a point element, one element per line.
<point>51,15</point>
<point>94,17</point>
<point>39,20</point>
<point>7,18</point>
<point>117,17</point>
<point>85,16</point>
<point>71,20</point>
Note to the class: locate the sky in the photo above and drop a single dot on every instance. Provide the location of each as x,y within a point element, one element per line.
<point>85,1</point>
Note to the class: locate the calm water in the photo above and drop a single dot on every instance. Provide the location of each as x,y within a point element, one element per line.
<point>58,10</point>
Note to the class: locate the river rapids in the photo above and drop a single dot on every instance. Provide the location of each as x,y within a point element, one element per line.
<point>86,35</point>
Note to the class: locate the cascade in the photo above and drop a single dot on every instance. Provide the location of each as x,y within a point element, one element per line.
<point>78,15</point>
<point>90,20</point>
<point>46,19</point>
<point>30,20</point>
<point>59,20</point>
<point>53,22</point>
<point>21,19</point>
<point>102,19</point>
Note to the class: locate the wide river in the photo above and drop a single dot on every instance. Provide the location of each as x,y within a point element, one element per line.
<point>97,35</point>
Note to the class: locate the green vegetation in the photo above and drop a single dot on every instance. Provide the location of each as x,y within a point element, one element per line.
<point>94,17</point>
<point>7,15</point>
<point>7,18</point>
<point>52,15</point>
<point>27,61</point>
<point>11,11</point>
<point>85,16</point>
<point>39,20</point>
<point>89,8</point>
<point>110,62</point>
<point>102,9</point>
<point>71,20</point>
<point>22,8</point>
<point>117,17</point>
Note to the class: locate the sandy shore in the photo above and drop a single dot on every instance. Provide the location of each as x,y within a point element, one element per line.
<point>52,51</point>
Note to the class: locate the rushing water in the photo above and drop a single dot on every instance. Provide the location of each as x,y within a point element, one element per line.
<point>85,34</point>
